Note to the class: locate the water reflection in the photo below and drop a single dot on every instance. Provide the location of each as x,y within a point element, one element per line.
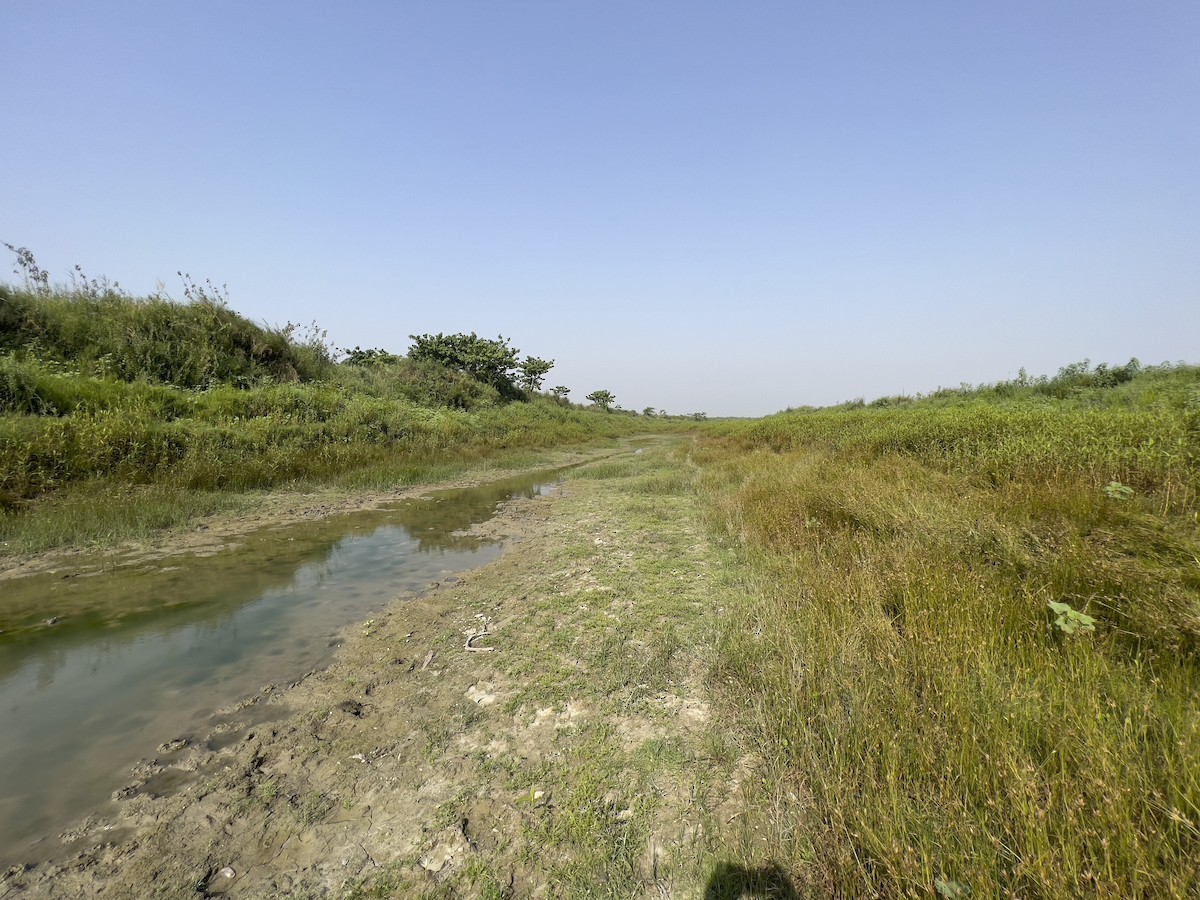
<point>439,521</point>
<point>145,653</point>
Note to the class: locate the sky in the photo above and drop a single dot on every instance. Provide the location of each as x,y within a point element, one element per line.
<point>723,207</point>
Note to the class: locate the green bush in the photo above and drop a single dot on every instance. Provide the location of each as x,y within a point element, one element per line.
<point>96,384</point>
<point>108,333</point>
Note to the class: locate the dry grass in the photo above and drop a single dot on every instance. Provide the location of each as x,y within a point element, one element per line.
<point>923,716</point>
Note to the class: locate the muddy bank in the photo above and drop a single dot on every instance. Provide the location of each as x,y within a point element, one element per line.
<point>536,728</point>
<point>214,534</point>
<point>140,651</point>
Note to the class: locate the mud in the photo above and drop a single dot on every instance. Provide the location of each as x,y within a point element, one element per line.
<point>341,780</point>
<point>211,535</point>
<point>429,754</point>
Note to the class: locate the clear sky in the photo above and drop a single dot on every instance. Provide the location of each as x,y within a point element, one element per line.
<point>731,207</point>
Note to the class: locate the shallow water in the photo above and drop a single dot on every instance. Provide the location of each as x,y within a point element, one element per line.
<point>142,654</point>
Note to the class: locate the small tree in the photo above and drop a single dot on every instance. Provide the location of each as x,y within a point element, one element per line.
<point>533,372</point>
<point>648,411</point>
<point>699,416</point>
<point>491,362</point>
<point>603,399</point>
<point>370,357</point>
<point>560,393</point>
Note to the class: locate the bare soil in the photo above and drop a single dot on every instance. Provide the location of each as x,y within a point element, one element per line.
<point>539,727</point>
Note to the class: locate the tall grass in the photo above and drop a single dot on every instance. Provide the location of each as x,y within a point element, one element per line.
<point>133,446</point>
<point>99,389</point>
<point>98,329</point>
<point>922,716</point>
<point>1145,433</point>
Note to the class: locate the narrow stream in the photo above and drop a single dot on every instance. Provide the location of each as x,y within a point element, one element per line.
<point>142,654</point>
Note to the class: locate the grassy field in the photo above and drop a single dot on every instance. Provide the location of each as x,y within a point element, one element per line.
<point>122,415</point>
<point>929,719</point>
<point>951,643</point>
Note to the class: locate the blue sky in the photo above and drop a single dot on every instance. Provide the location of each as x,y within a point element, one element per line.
<point>728,207</point>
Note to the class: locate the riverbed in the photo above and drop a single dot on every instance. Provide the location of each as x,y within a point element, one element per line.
<point>101,665</point>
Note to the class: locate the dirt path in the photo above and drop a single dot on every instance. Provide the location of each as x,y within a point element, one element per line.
<point>539,728</point>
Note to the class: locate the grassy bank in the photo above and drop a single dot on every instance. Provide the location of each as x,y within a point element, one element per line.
<point>120,415</point>
<point>925,718</point>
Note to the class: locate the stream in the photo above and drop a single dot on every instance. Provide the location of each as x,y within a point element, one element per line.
<point>140,654</point>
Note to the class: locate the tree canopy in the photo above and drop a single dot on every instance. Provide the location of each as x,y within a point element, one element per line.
<point>490,361</point>
<point>603,399</point>
<point>495,362</point>
<point>534,371</point>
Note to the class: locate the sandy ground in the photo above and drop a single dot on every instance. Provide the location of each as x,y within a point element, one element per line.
<point>519,732</point>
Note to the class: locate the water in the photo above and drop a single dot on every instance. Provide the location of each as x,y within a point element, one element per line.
<point>145,653</point>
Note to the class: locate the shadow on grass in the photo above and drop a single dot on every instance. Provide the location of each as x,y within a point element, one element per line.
<point>732,882</point>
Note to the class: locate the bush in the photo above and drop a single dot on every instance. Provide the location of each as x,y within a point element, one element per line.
<point>190,345</point>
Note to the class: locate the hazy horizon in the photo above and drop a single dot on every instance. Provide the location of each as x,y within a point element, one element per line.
<point>695,206</point>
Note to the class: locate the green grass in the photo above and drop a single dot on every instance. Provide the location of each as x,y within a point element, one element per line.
<point>225,438</point>
<point>99,514</point>
<point>887,645</point>
<point>897,660</point>
<point>120,415</point>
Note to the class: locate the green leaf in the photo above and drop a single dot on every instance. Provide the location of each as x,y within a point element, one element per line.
<point>953,890</point>
<point>1114,490</point>
<point>1070,620</point>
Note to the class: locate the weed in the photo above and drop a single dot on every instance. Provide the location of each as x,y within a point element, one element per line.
<point>1114,490</point>
<point>266,791</point>
<point>1070,620</point>
<point>313,807</point>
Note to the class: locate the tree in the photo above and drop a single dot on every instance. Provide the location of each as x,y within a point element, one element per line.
<point>560,392</point>
<point>370,357</point>
<point>699,416</point>
<point>603,399</point>
<point>492,362</point>
<point>648,411</point>
<point>534,370</point>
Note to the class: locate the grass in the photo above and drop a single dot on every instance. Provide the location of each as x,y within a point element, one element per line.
<point>226,438</point>
<point>887,645</point>
<point>588,759</point>
<point>102,514</point>
<point>121,415</point>
<point>921,715</point>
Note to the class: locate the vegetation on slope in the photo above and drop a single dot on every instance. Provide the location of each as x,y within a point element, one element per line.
<point>99,389</point>
<point>971,647</point>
